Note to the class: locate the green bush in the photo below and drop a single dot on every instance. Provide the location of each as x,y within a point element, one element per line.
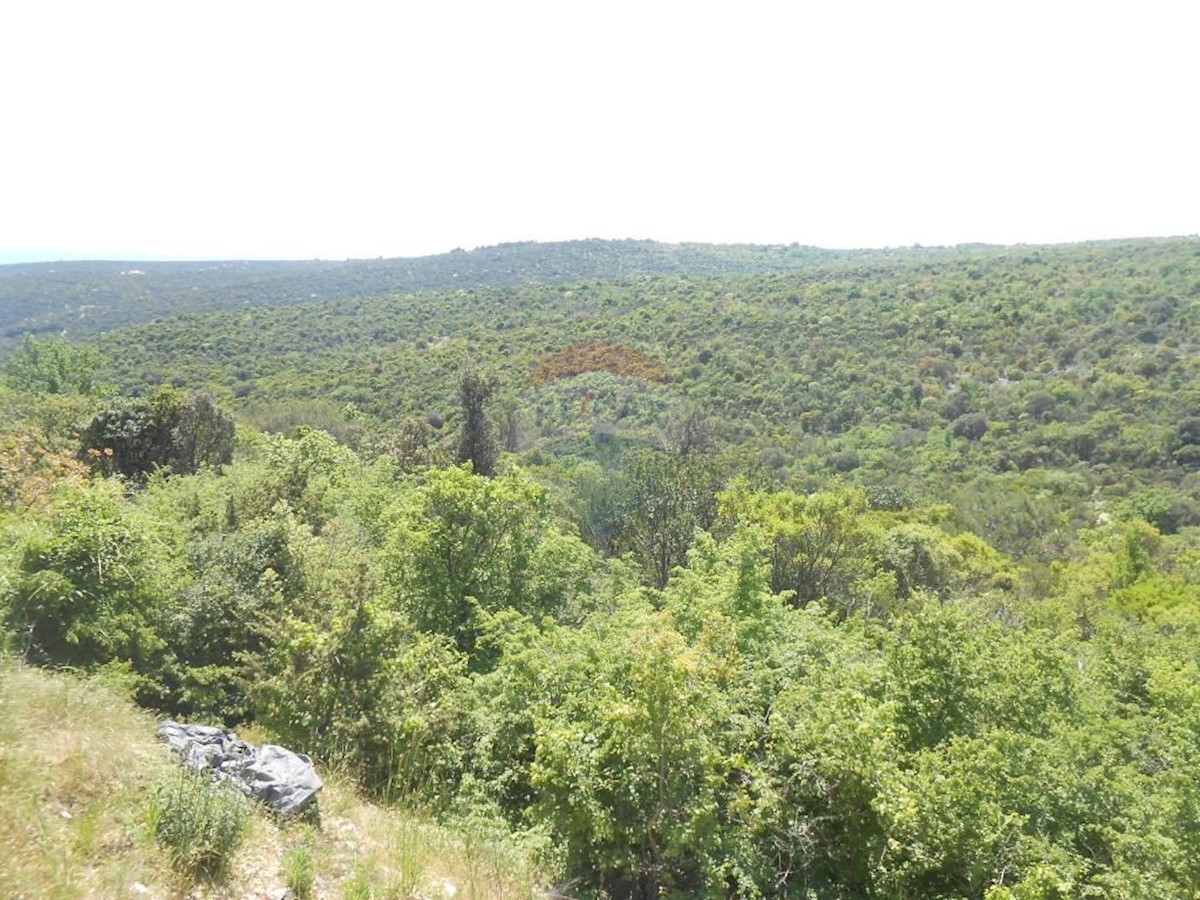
<point>199,823</point>
<point>86,582</point>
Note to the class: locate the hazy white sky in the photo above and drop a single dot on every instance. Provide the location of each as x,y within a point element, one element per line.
<point>296,130</point>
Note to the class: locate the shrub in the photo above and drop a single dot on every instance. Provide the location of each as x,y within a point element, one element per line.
<point>199,823</point>
<point>972,426</point>
<point>133,436</point>
<point>1189,430</point>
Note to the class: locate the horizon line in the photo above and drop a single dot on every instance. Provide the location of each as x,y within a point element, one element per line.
<point>48,257</point>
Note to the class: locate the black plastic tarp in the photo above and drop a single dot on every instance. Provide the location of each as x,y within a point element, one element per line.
<point>283,780</point>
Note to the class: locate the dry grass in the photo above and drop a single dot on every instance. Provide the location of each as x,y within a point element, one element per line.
<point>78,769</point>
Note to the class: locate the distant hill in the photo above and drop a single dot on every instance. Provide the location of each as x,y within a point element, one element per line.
<point>79,298</point>
<point>1078,358</point>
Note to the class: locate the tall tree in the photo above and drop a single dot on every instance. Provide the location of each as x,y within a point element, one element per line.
<point>666,498</point>
<point>477,442</point>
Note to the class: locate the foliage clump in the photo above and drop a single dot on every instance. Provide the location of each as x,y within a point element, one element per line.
<point>134,436</point>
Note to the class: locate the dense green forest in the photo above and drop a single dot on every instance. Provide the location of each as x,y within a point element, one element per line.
<point>871,575</point>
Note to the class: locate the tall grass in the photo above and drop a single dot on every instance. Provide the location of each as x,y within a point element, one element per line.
<point>299,871</point>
